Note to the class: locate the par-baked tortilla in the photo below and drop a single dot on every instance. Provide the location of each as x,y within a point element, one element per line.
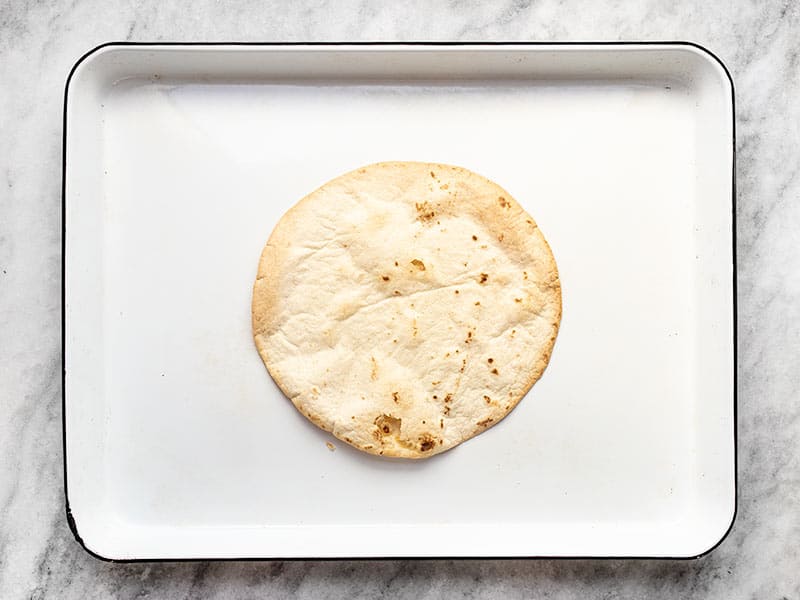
<point>406,307</point>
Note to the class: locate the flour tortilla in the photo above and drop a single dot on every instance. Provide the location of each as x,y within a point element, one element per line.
<point>406,307</point>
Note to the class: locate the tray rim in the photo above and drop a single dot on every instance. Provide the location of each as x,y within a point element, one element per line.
<point>400,44</point>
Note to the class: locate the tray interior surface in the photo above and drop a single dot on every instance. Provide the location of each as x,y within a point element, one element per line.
<point>180,160</point>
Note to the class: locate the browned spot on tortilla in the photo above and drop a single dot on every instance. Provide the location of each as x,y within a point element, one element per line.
<point>490,361</point>
<point>424,212</point>
<point>495,372</point>
<point>396,397</point>
<point>474,238</point>
<point>418,264</point>
<point>374,373</point>
<point>385,278</point>
<point>441,423</point>
<point>503,202</point>
<point>444,186</point>
<point>484,278</point>
<point>396,264</point>
<point>433,174</point>
<point>448,399</point>
<point>485,422</point>
<point>388,425</point>
<point>477,304</point>
<point>524,274</point>
<point>446,411</point>
<point>518,300</point>
<point>487,399</point>
<point>500,237</point>
<point>426,442</point>
<point>456,291</point>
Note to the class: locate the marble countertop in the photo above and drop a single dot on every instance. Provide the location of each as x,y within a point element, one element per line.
<point>39,42</point>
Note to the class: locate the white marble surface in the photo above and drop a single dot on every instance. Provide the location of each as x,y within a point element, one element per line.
<point>759,42</point>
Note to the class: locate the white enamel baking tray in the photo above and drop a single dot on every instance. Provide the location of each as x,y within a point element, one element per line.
<point>179,160</point>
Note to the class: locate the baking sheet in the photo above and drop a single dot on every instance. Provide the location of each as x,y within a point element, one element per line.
<point>179,160</point>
